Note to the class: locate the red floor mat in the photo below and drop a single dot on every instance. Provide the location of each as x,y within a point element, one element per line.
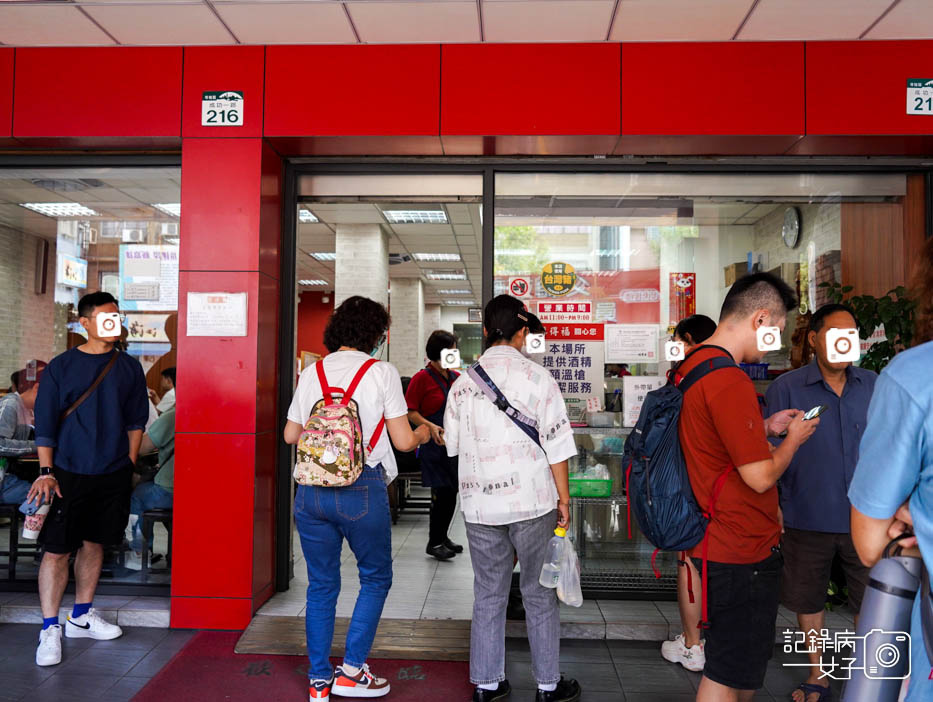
<point>207,669</point>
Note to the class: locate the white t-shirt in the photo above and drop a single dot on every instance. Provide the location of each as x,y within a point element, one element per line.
<point>167,402</point>
<point>504,476</point>
<point>378,395</point>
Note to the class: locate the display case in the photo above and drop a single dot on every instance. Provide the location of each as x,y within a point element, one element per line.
<point>612,564</point>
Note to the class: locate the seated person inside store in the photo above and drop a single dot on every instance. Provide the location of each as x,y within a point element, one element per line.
<point>166,401</point>
<point>17,433</point>
<point>814,503</point>
<point>155,493</point>
<point>734,471</point>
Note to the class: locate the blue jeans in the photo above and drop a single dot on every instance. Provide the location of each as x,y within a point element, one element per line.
<point>13,490</point>
<point>325,517</point>
<point>147,496</point>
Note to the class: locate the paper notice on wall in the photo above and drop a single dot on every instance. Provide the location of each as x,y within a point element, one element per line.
<point>216,314</point>
<point>148,278</point>
<point>605,311</point>
<point>634,390</point>
<point>631,343</point>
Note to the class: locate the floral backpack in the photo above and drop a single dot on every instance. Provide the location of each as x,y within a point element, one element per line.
<point>330,449</point>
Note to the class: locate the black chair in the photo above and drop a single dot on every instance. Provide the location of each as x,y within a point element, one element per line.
<point>149,519</point>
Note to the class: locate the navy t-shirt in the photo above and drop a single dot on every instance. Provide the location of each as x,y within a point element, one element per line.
<point>93,440</point>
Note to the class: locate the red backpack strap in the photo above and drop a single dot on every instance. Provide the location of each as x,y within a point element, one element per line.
<point>684,564</point>
<point>348,395</point>
<point>374,439</point>
<point>717,489</point>
<point>325,388</point>
<point>628,499</point>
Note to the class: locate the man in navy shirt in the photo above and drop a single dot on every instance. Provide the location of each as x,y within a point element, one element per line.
<point>86,461</point>
<point>814,489</point>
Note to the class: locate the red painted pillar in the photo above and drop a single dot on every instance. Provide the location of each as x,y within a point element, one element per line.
<point>226,424</point>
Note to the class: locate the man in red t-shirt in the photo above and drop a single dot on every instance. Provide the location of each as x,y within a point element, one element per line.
<point>721,428</point>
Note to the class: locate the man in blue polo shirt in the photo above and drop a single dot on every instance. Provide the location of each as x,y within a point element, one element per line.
<point>813,490</point>
<point>90,414</point>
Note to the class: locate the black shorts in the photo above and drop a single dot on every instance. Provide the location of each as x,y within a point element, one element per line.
<point>93,508</point>
<point>743,606</point>
<point>808,562</point>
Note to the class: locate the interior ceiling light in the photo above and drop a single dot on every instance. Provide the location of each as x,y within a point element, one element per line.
<point>60,209</point>
<point>312,282</point>
<point>416,216</point>
<point>324,256</point>
<point>455,291</point>
<point>463,303</point>
<point>446,275</point>
<point>436,256</point>
<point>170,208</point>
<point>307,216</point>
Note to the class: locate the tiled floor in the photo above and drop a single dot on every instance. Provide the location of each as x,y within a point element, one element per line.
<point>90,670</point>
<point>23,608</point>
<point>424,588</point>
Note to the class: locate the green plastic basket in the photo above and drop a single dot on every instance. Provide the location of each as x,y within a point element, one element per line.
<point>583,487</point>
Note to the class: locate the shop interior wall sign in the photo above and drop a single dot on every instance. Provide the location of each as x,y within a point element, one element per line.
<point>631,343</point>
<point>148,278</point>
<point>574,357</point>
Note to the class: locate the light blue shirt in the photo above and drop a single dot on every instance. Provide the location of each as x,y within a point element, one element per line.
<point>896,462</point>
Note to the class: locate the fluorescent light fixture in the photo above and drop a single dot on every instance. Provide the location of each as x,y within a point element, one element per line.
<point>436,256</point>
<point>514,252</point>
<point>416,216</point>
<point>312,282</point>
<point>307,216</point>
<point>446,275</point>
<point>60,209</point>
<point>324,256</point>
<point>460,303</point>
<point>172,209</point>
<point>455,291</point>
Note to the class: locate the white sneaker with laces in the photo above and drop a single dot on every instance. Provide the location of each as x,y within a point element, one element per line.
<point>50,646</point>
<point>91,626</point>
<point>676,651</point>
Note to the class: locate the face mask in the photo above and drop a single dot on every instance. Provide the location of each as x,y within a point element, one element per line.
<point>382,340</point>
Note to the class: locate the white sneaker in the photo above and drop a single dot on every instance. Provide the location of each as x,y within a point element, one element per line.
<point>676,651</point>
<point>50,646</point>
<point>91,626</point>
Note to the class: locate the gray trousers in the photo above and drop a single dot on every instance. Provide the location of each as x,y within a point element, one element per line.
<point>492,550</point>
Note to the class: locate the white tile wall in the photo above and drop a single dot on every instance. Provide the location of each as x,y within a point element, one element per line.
<point>362,265</point>
<point>406,339</point>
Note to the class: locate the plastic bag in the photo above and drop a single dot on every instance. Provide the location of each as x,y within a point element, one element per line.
<point>568,583</point>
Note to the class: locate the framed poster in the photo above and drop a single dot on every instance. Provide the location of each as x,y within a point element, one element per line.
<point>146,327</point>
<point>148,278</point>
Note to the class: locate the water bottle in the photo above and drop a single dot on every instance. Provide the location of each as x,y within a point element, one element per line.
<point>882,649</point>
<point>550,571</point>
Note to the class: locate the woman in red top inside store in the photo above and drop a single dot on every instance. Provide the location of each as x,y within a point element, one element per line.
<point>427,400</point>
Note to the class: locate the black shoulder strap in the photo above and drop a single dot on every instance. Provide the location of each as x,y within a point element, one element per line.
<point>445,387</point>
<point>87,393</point>
<point>703,369</point>
<point>492,391</point>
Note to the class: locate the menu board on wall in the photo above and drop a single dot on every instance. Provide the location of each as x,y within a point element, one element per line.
<point>631,343</point>
<point>574,357</point>
<point>634,390</point>
<point>148,278</point>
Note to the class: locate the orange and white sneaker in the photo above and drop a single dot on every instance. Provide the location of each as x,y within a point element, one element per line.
<point>319,690</point>
<point>363,684</point>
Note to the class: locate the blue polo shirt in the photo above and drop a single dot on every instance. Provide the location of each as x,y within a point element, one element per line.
<point>93,440</point>
<point>896,463</point>
<point>814,487</point>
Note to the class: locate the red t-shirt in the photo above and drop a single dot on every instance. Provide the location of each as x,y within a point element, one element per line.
<point>424,395</point>
<point>721,427</point>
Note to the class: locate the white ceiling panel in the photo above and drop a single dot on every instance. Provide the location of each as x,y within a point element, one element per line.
<point>289,23</point>
<point>48,25</point>
<point>696,20</point>
<point>348,213</point>
<point>546,20</point>
<point>806,19</point>
<point>910,19</point>
<point>412,22</point>
<point>161,24</point>
<point>428,230</point>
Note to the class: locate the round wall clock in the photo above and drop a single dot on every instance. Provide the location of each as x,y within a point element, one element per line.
<point>790,232</point>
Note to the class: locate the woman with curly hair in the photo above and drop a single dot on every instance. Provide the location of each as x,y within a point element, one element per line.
<point>892,490</point>
<point>359,513</point>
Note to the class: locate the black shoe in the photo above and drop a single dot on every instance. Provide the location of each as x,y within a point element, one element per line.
<point>456,548</point>
<point>516,608</point>
<point>440,552</point>
<point>567,691</point>
<point>497,695</point>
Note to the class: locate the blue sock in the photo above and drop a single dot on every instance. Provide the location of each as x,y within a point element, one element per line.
<point>80,609</point>
<point>49,621</point>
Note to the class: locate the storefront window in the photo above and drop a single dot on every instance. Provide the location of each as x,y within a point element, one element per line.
<point>65,233</point>
<point>611,262</point>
